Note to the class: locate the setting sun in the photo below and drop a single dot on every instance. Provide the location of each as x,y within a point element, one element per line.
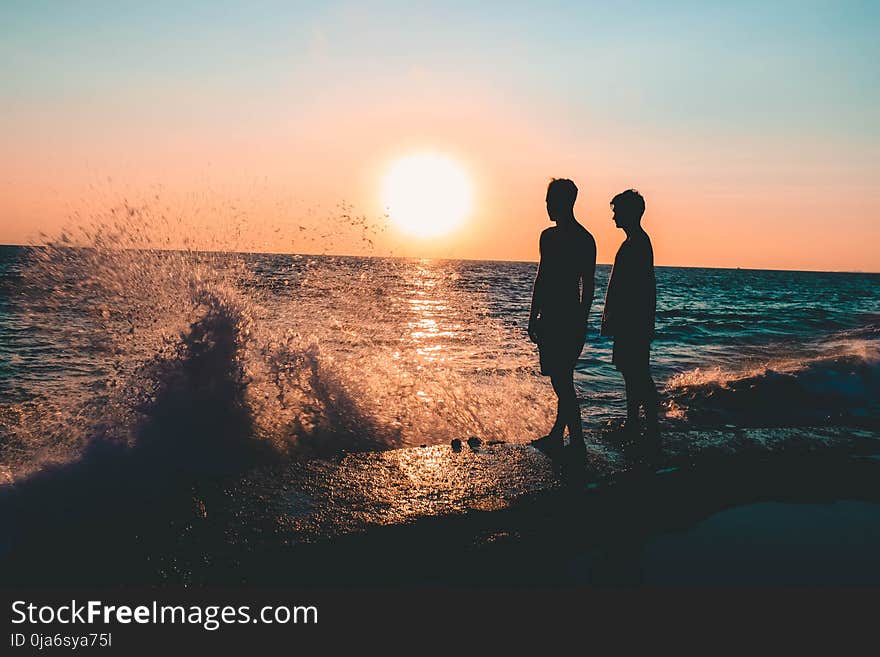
<point>427,195</point>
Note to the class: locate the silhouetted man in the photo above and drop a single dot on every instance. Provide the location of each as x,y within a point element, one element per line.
<point>561,303</point>
<point>630,304</point>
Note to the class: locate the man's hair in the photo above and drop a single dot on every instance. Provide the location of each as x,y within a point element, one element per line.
<point>563,191</point>
<point>630,203</point>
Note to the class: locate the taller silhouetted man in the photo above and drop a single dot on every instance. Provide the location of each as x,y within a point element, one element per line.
<point>561,301</point>
<point>630,305</point>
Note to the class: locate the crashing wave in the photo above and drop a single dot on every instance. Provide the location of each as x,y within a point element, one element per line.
<point>838,382</point>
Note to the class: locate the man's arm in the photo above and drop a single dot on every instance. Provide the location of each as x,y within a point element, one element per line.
<point>588,278</point>
<point>638,317</point>
<point>537,294</point>
<point>649,291</point>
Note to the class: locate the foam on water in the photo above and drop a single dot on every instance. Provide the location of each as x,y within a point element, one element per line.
<point>332,354</point>
<point>834,381</point>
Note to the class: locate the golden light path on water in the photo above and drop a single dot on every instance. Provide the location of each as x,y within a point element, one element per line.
<point>426,331</point>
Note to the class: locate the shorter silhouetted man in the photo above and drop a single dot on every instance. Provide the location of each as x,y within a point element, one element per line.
<point>630,305</point>
<point>561,303</point>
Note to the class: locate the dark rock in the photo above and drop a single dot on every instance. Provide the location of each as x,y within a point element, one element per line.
<point>456,445</point>
<point>473,442</point>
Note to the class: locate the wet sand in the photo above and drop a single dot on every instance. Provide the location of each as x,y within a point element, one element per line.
<point>752,507</point>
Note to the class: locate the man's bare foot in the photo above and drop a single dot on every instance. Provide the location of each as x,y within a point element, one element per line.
<point>549,442</point>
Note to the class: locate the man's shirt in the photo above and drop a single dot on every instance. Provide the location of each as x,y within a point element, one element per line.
<point>631,299</point>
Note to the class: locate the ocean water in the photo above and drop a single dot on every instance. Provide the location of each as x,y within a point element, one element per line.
<point>322,354</point>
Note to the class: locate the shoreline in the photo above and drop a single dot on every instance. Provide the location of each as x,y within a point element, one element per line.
<point>501,515</point>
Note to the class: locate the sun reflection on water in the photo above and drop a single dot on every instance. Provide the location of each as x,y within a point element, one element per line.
<point>430,329</point>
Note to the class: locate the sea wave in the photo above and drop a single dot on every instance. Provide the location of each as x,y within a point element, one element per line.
<point>836,381</point>
<point>138,345</point>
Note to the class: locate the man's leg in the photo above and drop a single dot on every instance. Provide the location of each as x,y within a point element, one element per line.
<point>569,408</point>
<point>647,391</point>
<point>641,392</point>
<point>559,424</point>
<point>649,400</point>
<point>633,399</point>
<point>554,439</point>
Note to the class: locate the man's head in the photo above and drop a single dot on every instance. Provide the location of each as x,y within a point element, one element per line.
<point>628,208</point>
<point>561,194</point>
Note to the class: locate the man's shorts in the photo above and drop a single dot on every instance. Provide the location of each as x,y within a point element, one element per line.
<point>631,354</point>
<point>559,350</point>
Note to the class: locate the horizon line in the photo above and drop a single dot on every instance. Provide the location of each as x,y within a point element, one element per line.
<point>399,257</point>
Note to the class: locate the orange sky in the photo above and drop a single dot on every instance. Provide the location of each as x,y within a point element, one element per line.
<point>285,153</point>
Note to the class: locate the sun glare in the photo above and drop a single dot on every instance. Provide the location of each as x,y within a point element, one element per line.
<point>427,195</point>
